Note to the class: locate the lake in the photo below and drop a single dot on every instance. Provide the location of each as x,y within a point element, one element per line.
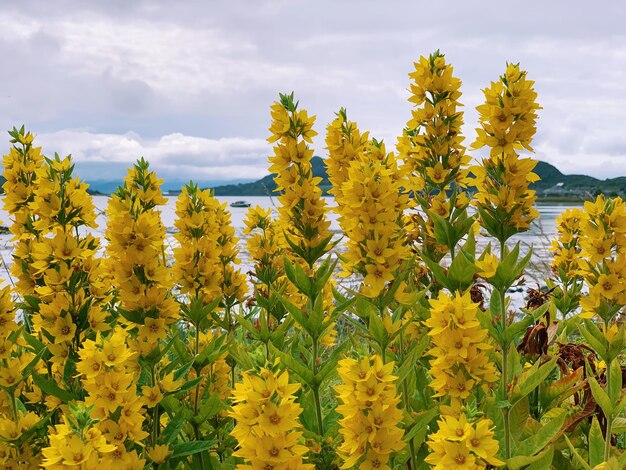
<point>539,236</point>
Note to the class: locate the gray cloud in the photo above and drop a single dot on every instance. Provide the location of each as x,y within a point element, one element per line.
<point>189,84</point>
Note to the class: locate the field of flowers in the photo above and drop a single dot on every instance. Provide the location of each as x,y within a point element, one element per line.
<point>118,354</point>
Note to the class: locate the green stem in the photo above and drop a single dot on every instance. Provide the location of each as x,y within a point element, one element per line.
<point>609,419</point>
<point>505,366</point>
<point>197,394</point>
<point>318,411</point>
<point>316,391</point>
<point>13,406</point>
<point>405,399</point>
<point>155,414</point>
<point>267,343</point>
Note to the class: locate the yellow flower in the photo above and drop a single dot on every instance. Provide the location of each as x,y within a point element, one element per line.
<point>152,396</point>
<point>267,426</point>
<point>487,265</point>
<point>63,329</point>
<point>460,444</point>
<point>459,345</point>
<point>369,414</point>
<point>159,453</point>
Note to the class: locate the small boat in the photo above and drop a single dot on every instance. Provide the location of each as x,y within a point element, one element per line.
<point>240,204</point>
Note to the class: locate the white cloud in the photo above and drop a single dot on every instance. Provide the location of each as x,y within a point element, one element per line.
<point>175,154</point>
<point>143,77</point>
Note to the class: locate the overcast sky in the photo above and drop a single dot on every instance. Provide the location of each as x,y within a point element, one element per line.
<point>188,84</point>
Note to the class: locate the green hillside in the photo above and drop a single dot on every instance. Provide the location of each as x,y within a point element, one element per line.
<point>553,183</point>
<point>266,185</point>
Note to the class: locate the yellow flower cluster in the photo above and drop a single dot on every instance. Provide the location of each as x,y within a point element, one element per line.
<point>14,453</point>
<point>197,262</point>
<point>431,147</point>
<point>59,199</point>
<point>20,171</point>
<point>431,144</point>
<point>565,247</point>
<point>369,413</point>
<point>136,252</point>
<point>371,205</point>
<point>217,373</point>
<point>602,261</point>
<point>459,359</point>
<point>233,283</point>
<point>344,143</point>
<point>267,426</point>
<point>302,210</point>
<point>70,282</point>
<point>109,373</point>
<point>70,449</point>
<point>461,445</point>
<point>267,247</point>
<point>507,120</point>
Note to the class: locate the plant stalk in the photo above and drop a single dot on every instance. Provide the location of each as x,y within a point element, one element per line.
<point>505,365</point>
<point>609,419</point>
<point>316,391</point>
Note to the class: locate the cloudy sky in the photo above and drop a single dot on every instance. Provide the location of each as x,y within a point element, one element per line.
<point>188,84</point>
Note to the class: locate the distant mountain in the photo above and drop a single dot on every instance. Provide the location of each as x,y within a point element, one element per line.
<point>266,185</point>
<point>108,187</point>
<point>553,183</point>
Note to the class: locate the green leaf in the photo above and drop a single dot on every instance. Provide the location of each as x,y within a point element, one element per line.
<point>543,459</point>
<point>330,363</point>
<point>211,406</point>
<point>615,387</point>
<point>517,330</point>
<point>596,444</point>
<point>51,388</point>
<point>532,378</point>
<point>136,317</point>
<point>324,272</point>
<point>187,385</point>
<point>298,277</point>
<point>595,338</point>
<point>33,342</point>
<point>582,462</point>
<point>416,352</point>
<point>561,389</point>
<point>297,314</point>
<point>538,441</point>
<point>184,449</point>
<point>294,365</point>
<point>438,272</point>
<point>33,362</point>
<point>442,229</point>
<point>377,329</point>
<point>600,396</point>
<point>183,371</point>
<point>619,425</point>
<point>173,428</point>
<point>419,428</point>
<point>461,272</point>
<point>198,312</point>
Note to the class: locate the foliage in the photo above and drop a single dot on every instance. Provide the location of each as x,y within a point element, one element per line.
<point>126,353</point>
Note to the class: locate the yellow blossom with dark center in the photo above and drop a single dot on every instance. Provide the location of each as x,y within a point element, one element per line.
<point>369,411</point>
<point>267,421</point>
<point>459,353</point>
<point>371,203</point>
